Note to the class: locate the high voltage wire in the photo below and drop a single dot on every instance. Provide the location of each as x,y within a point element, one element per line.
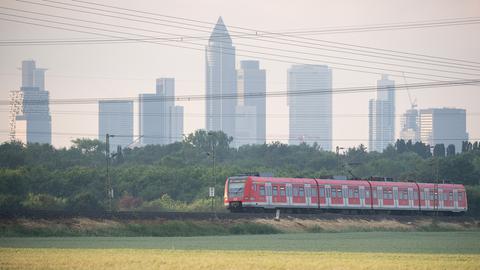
<point>130,19</point>
<point>264,32</point>
<point>239,115</point>
<point>315,91</point>
<point>277,137</point>
<point>255,46</point>
<point>140,21</point>
<point>248,51</point>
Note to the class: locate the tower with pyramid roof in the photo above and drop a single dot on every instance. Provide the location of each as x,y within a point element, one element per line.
<point>220,78</point>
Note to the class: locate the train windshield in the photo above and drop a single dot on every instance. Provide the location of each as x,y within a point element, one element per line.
<point>236,186</point>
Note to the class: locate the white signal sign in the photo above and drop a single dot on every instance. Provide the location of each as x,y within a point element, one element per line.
<point>211,192</point>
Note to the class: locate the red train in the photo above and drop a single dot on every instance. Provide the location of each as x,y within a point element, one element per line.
<point>254,192</point>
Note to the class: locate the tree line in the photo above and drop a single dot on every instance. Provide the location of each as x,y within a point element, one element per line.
<point>177,176</point>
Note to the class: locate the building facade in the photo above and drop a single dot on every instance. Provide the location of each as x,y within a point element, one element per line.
<point>220,78</point>
<point>310,118</point>
<point>115,117</point>
<point>33,123</point>
<point>381,116</point>
<point>409,124</point>
<point>251,104</point>
<point>160,121</point>
<point>443,126</point>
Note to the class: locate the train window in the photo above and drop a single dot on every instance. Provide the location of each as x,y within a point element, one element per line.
<point>422,195</point>
<point>415,195</point>
<point>295,191</point>
<point>350,193</point>
<point>367,194</point>
<point>334,193</point>
<point>262,190</point>
<point>322,192</point>
<point>282,191</point>
<point>374,194</point>
<point>355,193</point>
<point>275,191</point>
<point>460,196</point>
<point>301,192</point>
<point>339,193</point>
<point>380,194</point>
<point>450,196</point>
<point>254,187</point>
<point>314,192</point>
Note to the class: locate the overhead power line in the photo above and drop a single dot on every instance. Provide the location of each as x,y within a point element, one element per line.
<point>247,34</point>
<point>184,39</point>
<point>260,32</point>
<point>273,138</point>
<point>335,64</point>
<point>314,91</point>
<point>237,115</point>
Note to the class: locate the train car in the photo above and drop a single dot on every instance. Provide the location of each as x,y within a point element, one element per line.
<point>258,193</point>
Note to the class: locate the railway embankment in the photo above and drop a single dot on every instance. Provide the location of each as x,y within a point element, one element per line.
<point>249,224</point>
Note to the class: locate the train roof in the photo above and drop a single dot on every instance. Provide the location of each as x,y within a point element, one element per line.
<point>352,182</point>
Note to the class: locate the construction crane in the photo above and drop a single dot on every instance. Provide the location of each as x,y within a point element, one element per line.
<point>413,104</point>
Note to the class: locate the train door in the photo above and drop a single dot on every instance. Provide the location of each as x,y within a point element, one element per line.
<point>395,197</point>
<point>328,197</point>
<point>268,188</point>
<point>427,197</point>
<point>455,199</point>
<point>308,195</point>
<point>440,199</point>
<point>289,194</point>
<point>380,196</point>
<point>345,195</point>
<point>362,196</point>
<point>410,197</point>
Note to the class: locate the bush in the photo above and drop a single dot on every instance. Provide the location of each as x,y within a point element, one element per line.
<point>84,203</point>
<point>43,202</point>
<point>473,196</point>
<point>10,203</point>
<point>128,202</point>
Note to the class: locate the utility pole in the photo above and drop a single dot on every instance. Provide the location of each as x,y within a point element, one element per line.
<point>212,189</point>
<point>109,190</point>
<point>338,148</point>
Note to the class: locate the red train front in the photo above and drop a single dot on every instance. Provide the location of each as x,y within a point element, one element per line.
<point>254,192</point>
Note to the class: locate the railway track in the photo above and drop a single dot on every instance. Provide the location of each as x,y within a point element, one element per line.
<point>142,215</point>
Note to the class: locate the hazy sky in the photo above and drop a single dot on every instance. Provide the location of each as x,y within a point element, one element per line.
<point>128,69</point>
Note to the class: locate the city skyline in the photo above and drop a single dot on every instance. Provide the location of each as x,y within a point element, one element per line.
<point>67,75</point>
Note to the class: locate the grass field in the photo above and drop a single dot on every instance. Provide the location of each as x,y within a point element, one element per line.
<point>401,242</point>
<point>162,259</point>
<point>362,250</point>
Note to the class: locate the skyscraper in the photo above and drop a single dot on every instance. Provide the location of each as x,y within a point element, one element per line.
<point>443,126</point>
<point>251,107</point>
<point>310,114</point>
<point>115,117</point>
<point>382,116</point>
<point>410,130</point>
<point>33,123</point>
<point>160,121</point>
<point>220,77</point>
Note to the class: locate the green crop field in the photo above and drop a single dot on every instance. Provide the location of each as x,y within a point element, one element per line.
<point>404,242</point>
<point>362,250</point>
